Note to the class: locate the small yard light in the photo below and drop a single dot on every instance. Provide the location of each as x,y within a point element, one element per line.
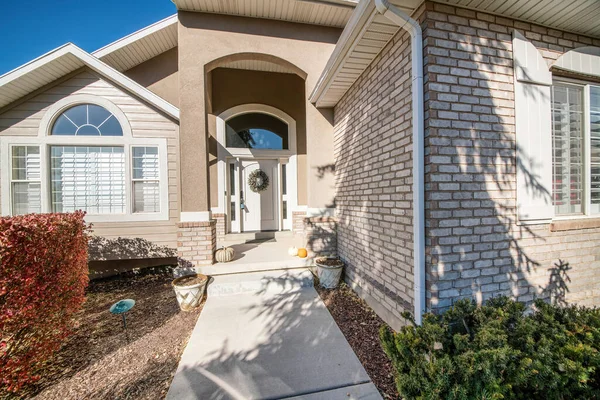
<point>121,307</point>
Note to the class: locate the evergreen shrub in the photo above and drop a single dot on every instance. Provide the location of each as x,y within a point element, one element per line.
<point>498,351</point>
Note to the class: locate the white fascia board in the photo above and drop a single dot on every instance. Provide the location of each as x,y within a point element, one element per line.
<point>99,67</point>
<point>134,37</point>
<point>34,64</point>
<point>361,16</point>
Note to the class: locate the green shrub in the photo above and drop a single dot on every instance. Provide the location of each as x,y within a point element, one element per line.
<point>498,351</point>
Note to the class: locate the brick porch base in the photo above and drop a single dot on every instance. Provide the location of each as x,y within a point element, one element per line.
<point>197,242</point>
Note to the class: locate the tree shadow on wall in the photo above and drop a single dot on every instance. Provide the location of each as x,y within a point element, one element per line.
<point>321,229</point>
<point>102,248</point>
<point>556,289</point>
<point>108,256</point>
<point>475,246</point>
<point>321,233</point>
<point>323,170</point>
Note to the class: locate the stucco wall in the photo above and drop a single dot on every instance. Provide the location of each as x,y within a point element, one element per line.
<point>160,75</point>
<point>142,238</point>
<point>205,38</point>
<point>234,87</point>
<point>373,169</point>
<point>475,246</point>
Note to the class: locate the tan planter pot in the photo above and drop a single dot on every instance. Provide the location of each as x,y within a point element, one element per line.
<point>329,272</point>
<point>189,290</point>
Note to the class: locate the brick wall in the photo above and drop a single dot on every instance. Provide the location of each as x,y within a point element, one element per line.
<point>298,222</point>
<point>475,247</point>
<point>196,243</point>
<point>220,228</point>
<point>373,158</point>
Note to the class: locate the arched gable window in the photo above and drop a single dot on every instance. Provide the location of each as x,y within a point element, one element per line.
<point>87,120</point>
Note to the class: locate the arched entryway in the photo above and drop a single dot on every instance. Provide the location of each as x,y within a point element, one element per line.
<point>257,168</point>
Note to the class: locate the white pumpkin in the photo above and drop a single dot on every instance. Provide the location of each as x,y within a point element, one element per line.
<point>224,254</point>
<point>293,251</point>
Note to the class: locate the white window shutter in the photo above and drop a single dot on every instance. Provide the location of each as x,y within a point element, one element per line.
<point>533,119</point>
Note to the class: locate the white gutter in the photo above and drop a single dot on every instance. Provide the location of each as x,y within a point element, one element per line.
<point>411,26</point>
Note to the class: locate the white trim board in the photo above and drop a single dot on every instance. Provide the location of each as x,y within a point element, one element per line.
<point>195,216</point>
<point>135,36</point>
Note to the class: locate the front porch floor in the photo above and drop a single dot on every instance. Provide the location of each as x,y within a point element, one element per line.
<point>268,252</point>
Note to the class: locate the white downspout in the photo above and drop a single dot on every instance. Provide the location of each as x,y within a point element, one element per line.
<point>404,21</point>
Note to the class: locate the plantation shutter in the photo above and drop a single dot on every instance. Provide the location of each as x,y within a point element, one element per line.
<point>532,82</point>
<point>88,178</point>
<point>146,185</point>
<point>25,180</point>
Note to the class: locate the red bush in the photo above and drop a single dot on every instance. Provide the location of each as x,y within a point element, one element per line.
<point>43,276</point>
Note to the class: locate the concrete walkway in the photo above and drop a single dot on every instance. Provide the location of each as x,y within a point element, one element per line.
<point>268,336</point>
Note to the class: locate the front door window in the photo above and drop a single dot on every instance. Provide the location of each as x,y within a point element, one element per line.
<point>256,131</point>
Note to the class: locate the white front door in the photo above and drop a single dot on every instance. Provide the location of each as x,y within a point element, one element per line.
<point>261,210</point>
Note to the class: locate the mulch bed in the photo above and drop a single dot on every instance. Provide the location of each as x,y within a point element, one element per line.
<point>99,361</point>
<point>360,325</point>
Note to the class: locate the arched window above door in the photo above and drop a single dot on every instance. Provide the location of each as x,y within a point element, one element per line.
<point>257,131</point>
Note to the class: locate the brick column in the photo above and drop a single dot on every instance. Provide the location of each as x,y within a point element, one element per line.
<point>298,222</point>
<point>220,218</point>
<point>197,242</point>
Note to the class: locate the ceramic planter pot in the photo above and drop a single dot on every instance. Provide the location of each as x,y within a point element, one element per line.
<point>329,271</point>
<point>189,290</point>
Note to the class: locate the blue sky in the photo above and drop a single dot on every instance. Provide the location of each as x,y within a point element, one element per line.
<point>30,28</point>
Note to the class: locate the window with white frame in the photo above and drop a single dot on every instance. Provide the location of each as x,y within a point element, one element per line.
<point>146,184</point>
<point>25,183</point>
<point>576,148</point>
<point>84,162</point>
<point>88,178</point>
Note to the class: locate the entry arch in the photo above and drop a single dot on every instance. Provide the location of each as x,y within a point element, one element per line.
<point>235,59</point>
<point>227,155</point>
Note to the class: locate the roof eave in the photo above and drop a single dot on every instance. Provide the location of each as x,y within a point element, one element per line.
<point>99,67</point>
<point>358,20</point>
<point>134,37</point>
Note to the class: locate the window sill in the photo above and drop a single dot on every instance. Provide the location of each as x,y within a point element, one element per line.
<point>574,224</point>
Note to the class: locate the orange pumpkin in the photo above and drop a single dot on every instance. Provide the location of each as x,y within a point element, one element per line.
<point>302,253</point>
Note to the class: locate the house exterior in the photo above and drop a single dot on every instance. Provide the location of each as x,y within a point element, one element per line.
<point>443,150</point>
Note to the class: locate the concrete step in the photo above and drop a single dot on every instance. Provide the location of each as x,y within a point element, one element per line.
<point>248,237</point>
<point>276,281</point>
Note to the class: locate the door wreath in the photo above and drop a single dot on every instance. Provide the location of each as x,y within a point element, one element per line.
<point>258,181</point>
